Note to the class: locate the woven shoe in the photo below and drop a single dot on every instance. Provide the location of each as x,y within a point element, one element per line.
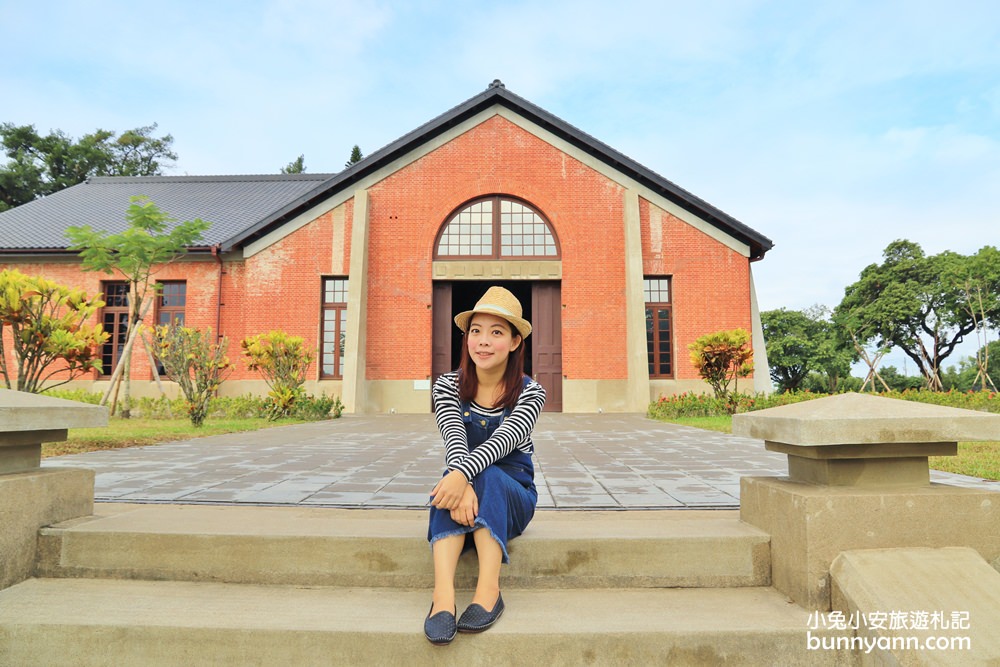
<point>476,619</point>
<point>440,628</point>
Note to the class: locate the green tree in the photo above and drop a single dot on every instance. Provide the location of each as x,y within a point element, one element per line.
<point>282,360</point>
<point>897,381</point>
<point>792,340</point>
<point>195,363</point>
<point>138,153</point>
<point>803,342</point>
<point>356,156</point>
<point>39,165</point>
<point>722,358</point>
<point>49,334</point>
<point>819,383</point>
<point>915,302</point>
<point>990,351</point>
<point>152,240</point>
<point>967,376</point>
<point>296,166</point>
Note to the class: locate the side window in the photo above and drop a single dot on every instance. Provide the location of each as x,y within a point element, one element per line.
<point>659,334</point>
<point>334,325</point>
<point>114,318</point>
<point>170,303</point>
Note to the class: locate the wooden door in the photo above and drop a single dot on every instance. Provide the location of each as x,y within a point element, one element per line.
<point>441,329</point>
<point>546,341</point>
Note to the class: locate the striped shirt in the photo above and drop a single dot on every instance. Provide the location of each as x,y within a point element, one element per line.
<point>513,433</point>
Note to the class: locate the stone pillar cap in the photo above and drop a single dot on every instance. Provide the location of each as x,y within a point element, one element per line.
<point>20,411</point>
<point>865,419</point>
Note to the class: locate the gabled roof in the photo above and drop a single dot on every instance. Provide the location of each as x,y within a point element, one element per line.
<point>244,208</point>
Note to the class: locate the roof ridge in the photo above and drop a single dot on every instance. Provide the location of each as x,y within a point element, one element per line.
<point>212,178</point>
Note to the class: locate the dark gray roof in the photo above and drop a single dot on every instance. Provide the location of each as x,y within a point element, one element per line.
<point>230,203</point>
<point>244,208</point>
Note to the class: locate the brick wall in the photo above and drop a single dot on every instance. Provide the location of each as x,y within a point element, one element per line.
<point>710,282</point>
<point>201,275</point>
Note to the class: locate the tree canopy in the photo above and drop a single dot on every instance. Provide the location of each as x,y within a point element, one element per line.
<point>802,342</point>
<point>921,304</point>
<point>356,156</point>
<point>296,166</point>
<point>39,165</point>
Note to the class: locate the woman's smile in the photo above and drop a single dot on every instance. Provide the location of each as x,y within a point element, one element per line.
<point>490,341</point>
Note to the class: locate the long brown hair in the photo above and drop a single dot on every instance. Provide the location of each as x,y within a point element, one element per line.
<point>513,376</point>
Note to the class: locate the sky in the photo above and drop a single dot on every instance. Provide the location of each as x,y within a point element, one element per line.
<point>833,128</point>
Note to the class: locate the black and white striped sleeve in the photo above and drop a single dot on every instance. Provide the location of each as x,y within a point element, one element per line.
<point>514,432</point>
<point>448,413</point>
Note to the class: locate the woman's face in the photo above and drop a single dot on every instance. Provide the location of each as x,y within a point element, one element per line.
<point>491,340</point>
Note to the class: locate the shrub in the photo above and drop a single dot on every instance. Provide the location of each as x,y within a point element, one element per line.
<point>721,359</point>
<point>219,407</point>
<point>314,408</point>
<point>49,332</point>
<point>246,406</point>
<point>282,360</point>
<point>196,364</point>
<point>78,395</point>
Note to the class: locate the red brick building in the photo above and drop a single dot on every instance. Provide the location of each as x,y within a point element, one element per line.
<point>618,268</point>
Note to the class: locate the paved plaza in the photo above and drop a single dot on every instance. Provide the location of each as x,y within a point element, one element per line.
<point>605,461</point>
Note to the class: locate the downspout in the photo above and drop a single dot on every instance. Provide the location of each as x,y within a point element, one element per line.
<point>218,300</point>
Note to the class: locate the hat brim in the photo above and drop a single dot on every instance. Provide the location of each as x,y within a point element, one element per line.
<point>522,325</point>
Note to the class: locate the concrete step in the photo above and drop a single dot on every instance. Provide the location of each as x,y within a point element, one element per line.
<point>955,582</point>
<point>380,548</point>
<point>84,622</point>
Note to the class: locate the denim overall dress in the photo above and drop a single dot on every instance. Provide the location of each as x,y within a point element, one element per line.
<point>506,490</point>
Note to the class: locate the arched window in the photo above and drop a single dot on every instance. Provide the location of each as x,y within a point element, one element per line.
<point>496,228</point>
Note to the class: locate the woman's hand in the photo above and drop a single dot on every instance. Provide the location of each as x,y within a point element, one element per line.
<point>468,508</point>
<point>449,491</point>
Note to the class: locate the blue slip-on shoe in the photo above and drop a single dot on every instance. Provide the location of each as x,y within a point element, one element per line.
<point>476,619</point>
<point>440,628</point>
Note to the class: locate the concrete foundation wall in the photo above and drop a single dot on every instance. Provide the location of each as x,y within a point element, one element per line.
<point>30,500</point>
<point>811,524</point>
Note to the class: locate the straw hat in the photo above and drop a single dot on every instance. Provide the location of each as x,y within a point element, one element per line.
<point>500,302</point>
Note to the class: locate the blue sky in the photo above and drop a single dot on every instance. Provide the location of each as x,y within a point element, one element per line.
<point>832,128</point>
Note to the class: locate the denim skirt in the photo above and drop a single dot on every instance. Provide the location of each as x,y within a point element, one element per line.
<point>506,492</point>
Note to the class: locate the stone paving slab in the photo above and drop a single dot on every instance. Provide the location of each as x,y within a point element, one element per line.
<point>608,461</point>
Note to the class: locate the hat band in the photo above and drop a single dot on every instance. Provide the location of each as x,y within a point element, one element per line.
<point>499,309</point>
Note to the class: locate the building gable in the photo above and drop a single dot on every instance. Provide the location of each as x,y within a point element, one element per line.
<point>497,100</point>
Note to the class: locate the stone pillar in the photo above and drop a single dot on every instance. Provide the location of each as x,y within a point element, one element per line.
<point>637,393</point>
<point>355,385</point>
<point>31,496</point>
<point>858,479</point>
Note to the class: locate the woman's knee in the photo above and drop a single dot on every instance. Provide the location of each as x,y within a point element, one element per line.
<point>490,475</point>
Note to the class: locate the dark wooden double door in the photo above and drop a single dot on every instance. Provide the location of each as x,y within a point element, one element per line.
<point>541,303</point>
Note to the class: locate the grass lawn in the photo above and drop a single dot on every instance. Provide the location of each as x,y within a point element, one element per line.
<point>121,433</point>
<point>723,424</point>
<point>976,459</point>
